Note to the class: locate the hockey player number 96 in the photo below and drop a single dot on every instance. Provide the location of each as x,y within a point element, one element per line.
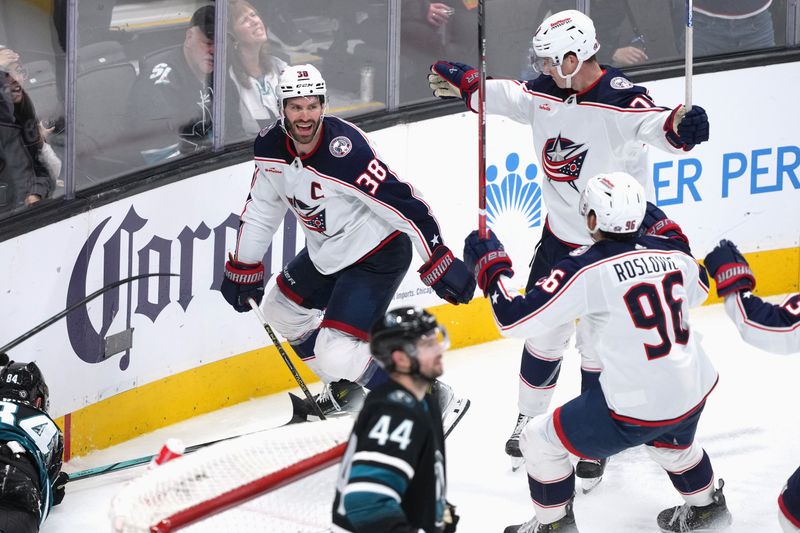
<point>654,317</point>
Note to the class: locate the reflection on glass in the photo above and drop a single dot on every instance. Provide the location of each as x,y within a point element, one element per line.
<point>253,73</point>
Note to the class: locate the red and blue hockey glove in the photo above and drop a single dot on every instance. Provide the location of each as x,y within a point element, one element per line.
<point>486,258</point>
<point>656,222</point>
<point>692,128</point>
<point>729,269</point>
<point>453,80</point>
<point>242,281</point>
<point>448,276</point>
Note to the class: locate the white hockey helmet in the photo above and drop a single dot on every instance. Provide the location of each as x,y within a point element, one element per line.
<point>300,80</point>
<point>617,200</point>
<point>562,33</point>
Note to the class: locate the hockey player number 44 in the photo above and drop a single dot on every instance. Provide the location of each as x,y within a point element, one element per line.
<point>401,435</point>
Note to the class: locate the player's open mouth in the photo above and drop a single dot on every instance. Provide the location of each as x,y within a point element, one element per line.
<point>305,129</point>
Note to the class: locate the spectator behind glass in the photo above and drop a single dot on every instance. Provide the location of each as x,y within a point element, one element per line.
<point>723,27</point>
<point>23,181</point>
<point>172,98</point>
<point>424,34</point>
<point>253,70</point>
<point>34,133</point>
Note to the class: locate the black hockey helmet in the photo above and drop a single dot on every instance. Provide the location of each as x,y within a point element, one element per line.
<point>400,329</point>
<point>24,382</point>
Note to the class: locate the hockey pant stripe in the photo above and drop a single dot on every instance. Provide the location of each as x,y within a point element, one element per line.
<point>551,479</point>
<point>789,500</point>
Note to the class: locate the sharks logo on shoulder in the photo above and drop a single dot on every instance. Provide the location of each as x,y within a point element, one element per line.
<point>312,217</point>
<point>562,160</point>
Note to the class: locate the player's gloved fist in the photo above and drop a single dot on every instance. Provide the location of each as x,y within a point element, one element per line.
<point>729,269</point>
<point>656,222</point>
<point>448,276</point>
<point>453,80</point>
<point>242,281</point>
<point>450,518</point>
<point>59,487</point>
<point>486,258</point>
<point>693,127</point>
<point>686,130</point>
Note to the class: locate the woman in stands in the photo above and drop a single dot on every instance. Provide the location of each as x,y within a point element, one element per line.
<point>46,162</point>
<point>254,71</point>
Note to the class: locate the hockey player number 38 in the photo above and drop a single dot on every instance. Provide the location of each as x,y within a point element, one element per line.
<point>373,177</point>
<point>656,317</point>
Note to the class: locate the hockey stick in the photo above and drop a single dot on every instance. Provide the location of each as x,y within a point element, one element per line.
<point>138,461</point>
<point>689,55</point>
<point>50,321</point>
<point>285,357</point>
<point>483,232</point>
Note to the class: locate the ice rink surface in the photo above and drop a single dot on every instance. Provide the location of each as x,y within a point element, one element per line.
<point>750,429</point>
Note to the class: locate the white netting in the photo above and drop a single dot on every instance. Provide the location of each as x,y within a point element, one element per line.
<point>237,470</point>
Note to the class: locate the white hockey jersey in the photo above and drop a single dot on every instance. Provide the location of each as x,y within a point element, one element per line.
<point>774,328</point>
<point>605,128</point>
<point>346,199</point>
<point>635,296</point>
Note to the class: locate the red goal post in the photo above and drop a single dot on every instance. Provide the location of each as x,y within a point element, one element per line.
<point>277,480</point>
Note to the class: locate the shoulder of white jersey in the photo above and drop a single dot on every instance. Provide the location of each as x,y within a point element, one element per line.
<point>615,89</point>
<point>662,242</point>
<point>343,139</point>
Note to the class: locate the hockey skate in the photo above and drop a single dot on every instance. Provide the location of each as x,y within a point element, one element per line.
<point>591,473</point>
<point>339,398</point>
<point>563,525</point>
<point>453,408</point>
<point>685,518</point>
<point>512,444</point>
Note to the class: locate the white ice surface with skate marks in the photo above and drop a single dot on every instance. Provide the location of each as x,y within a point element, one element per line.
<point>750,429</point>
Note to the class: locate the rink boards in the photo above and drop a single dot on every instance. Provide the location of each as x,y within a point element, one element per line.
<point>153,353</point>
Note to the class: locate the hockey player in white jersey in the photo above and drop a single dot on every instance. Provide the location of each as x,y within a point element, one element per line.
<point>586,118</point>
<point>774,328</point>
<point>633,291</point>
<point>360,222</point>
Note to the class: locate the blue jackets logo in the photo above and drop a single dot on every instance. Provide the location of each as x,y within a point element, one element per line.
<point>513,194</point>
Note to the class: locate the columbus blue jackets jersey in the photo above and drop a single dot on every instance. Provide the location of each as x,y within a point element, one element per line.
<point>605,128</point>
<point>635,297</point>
<point>774,328</point>
<point>345,197</point>
<point>393,474</point>
<point>35,431</point>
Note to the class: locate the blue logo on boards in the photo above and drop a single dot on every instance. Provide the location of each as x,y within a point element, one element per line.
<point>513,193</point>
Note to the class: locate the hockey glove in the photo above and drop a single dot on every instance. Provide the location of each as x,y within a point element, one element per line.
<point>729,269</point>
<point>487,259</point>
<point>684,131</point>
<point>448,276</point>
<point>453,80</point>
<point>450,518</point>
<point>242,281</point>
<point>59,487</point>
<point>656,222</point>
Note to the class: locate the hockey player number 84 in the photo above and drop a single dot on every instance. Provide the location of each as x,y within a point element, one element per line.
<point>39,428</point>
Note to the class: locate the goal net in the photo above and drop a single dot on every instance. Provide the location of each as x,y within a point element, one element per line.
<point>279,480</point>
